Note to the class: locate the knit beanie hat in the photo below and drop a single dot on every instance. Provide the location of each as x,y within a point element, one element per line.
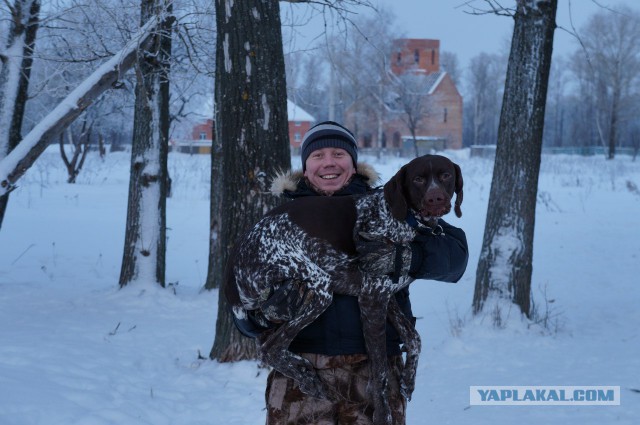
<point>328,134</point>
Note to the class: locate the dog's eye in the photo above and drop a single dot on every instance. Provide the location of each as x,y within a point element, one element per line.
<point>445,176</point>
<point>419,180</point>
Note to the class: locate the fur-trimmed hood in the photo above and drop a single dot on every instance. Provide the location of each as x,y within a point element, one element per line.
<point>288,180</point>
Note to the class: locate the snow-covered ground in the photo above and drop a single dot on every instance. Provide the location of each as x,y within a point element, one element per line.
<point>74,349</point>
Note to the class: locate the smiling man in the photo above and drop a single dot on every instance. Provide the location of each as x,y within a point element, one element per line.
<point>334,343</point>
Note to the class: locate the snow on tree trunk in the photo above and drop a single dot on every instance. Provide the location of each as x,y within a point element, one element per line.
<point>14,77</point>
<point>251,122</point>
<point>503,276</point>
<point>14,165</point>
<point>145,237</point>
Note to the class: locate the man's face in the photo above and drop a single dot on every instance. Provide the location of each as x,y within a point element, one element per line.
<point>329,169</point>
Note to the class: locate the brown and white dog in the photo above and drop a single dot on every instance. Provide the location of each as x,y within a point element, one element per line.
<point>314,241</point>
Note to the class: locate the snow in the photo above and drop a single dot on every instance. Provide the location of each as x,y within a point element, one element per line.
<point>227,58</point>
<point>506,246</point>
<point>75,349</point>
<point>266,110</point>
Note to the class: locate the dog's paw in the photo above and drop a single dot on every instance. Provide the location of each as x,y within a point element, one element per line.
<point>407,383</point>
<point>406,391</point>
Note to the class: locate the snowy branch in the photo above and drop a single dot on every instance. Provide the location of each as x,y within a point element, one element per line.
<point>33,144</point>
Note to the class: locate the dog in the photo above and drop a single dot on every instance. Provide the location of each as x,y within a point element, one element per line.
<point>316,242</point>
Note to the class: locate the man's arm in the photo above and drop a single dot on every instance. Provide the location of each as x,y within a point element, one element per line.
<point>440,257</point>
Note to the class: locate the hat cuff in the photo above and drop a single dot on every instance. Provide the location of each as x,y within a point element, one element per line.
<point>329,143</point>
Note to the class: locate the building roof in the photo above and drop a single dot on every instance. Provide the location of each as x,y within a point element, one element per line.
<point>296,113</point>
<point>431,83</point>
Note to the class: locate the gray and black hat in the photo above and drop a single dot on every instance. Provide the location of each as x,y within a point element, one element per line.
<point>328,134</point>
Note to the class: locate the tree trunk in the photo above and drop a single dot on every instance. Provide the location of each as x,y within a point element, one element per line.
<point>145,236</point>
<point>613,119</point>
<point>14,78</point>
<point>251,118</point>
<point>80,147</point>
<point>505,266</point>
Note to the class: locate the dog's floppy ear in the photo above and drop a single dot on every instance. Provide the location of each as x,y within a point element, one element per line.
<point>458,190</point>
<point>394,195</point>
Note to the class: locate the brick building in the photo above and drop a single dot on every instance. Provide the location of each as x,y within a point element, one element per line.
<point>202,134</point>
<point>203,131</point>
<point>300,121</point>
<point>440,117</point>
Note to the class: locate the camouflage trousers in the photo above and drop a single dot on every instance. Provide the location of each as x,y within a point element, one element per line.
<point>348,375</point>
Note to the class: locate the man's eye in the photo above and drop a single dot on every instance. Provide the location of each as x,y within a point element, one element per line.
<point>419,180</point>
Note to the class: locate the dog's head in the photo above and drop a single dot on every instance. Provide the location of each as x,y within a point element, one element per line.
<point>425,185</point>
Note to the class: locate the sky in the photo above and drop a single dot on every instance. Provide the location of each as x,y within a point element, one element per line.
<point>467,35</point>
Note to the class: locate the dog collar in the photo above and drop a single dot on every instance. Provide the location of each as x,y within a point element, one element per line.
<point>414,222</point>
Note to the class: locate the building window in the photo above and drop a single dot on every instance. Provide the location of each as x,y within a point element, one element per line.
<point>296,137</point>
<point>203,135</point>
<point>399,58</point>
<point>298,123</point>
<point>416,56</point>
<point>445,114</point>
<point>433,57</point>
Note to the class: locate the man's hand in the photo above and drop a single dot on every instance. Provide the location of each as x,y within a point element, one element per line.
<point>380,256</point>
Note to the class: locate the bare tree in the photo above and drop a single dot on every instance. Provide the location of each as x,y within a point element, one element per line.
<point>306,85</point>
<point>450,64</point>
<point>485,79</point>
<point>145,235</point>
<point>16,59</point>
<point>611,58</point>
<point>503,276</point>
<point>79,149</point>
<point>411,92</point>
<point>14,165</point>
<point>359,61</point>
<point>558,111</point>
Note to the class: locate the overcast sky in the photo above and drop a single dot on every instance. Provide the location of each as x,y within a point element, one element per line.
<point>467,35</point>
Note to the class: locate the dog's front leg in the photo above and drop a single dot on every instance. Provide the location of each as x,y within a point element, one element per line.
<point>412,345</point>
<point>373,301</point>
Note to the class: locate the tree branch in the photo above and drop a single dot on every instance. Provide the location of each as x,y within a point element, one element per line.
<point>14,165</point>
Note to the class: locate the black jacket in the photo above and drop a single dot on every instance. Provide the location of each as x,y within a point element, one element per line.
<point>339,329</point>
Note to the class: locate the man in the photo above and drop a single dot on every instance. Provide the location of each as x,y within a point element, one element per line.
<point>334,343</point>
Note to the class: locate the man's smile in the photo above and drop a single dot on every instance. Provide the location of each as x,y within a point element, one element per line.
<point>329,176</point>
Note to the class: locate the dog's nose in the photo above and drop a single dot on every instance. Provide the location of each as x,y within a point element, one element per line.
<point>435,197</point>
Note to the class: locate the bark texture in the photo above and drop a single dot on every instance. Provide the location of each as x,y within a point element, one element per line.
<point>251,123</point>
<point>145,236</point>
<point>505,265</point>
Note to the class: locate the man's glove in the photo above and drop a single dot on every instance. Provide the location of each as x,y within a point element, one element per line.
<point>284,302</point>
<point>380,256</point>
